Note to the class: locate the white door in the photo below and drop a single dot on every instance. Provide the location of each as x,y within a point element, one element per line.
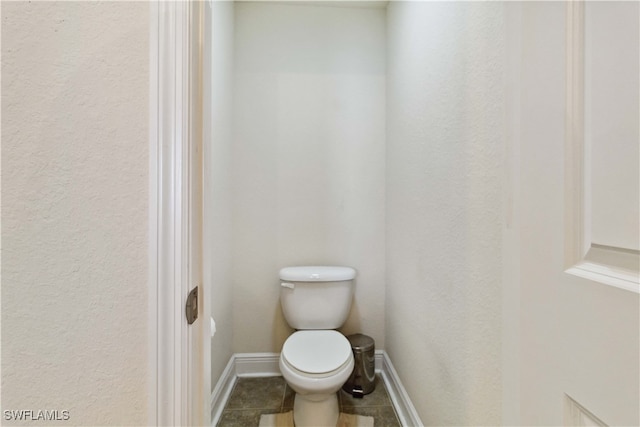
<point>571,277</point>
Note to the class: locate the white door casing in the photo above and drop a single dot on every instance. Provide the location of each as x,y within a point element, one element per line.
<point>178,384</point>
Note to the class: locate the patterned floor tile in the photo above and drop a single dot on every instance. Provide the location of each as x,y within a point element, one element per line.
<point>252,397</point>
<point>257,393</point>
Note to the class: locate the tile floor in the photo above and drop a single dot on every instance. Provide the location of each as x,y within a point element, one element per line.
<point>252,397</point>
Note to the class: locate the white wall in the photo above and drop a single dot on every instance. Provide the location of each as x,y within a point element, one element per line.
<point>218,139</point>
<point>308,159</point>
<point>445,108</point>
<point>75,207</point>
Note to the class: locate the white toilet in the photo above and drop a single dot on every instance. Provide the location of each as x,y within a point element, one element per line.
<point>316,360</point>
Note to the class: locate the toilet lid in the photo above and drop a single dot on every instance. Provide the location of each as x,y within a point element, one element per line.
<point>316,352</point>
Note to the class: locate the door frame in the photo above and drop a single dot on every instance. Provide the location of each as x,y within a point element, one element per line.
<point>177,380</point>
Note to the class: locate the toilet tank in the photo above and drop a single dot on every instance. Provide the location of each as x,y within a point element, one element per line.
<point>316,297</point>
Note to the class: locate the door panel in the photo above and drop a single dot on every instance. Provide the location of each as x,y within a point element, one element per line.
<point>578,333</point>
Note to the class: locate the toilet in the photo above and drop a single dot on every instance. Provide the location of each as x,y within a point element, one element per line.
<point>316,360</point>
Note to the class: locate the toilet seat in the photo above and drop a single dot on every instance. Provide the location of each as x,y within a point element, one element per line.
<point>316,353</point>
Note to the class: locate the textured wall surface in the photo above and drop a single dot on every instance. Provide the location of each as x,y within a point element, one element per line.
<point>308,159</point>
<point>445,111</point>
<point>74,209</point>
<point>218,131</point>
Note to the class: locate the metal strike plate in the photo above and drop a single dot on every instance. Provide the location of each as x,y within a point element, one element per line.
<point>191,308</point>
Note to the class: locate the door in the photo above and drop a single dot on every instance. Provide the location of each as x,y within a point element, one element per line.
<point>571,281</point>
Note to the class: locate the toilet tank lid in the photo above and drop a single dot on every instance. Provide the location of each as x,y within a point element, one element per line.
<point>317,273</point>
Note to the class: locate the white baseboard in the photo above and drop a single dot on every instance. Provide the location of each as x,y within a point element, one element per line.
<point>257,364</point>
<point>267,365</point>
<point>222,390</point>
<point>241,365</point>
<point>398,395</point>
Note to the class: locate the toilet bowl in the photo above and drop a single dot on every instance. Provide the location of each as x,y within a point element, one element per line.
<point>316,360</point>
<point>315,364</point>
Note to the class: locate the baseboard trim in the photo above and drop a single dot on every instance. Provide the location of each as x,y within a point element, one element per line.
<point>222,390</point>
<point>267,365</point>
<point>257,364</point>
<point>401,402</point>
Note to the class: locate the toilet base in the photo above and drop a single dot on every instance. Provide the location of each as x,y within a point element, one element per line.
<point>313,410</point>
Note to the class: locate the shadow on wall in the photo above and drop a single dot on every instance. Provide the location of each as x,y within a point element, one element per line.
<point>354,321</point>
<point>281,329</point>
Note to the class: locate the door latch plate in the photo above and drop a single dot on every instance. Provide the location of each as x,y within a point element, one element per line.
<point>191,308</point>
